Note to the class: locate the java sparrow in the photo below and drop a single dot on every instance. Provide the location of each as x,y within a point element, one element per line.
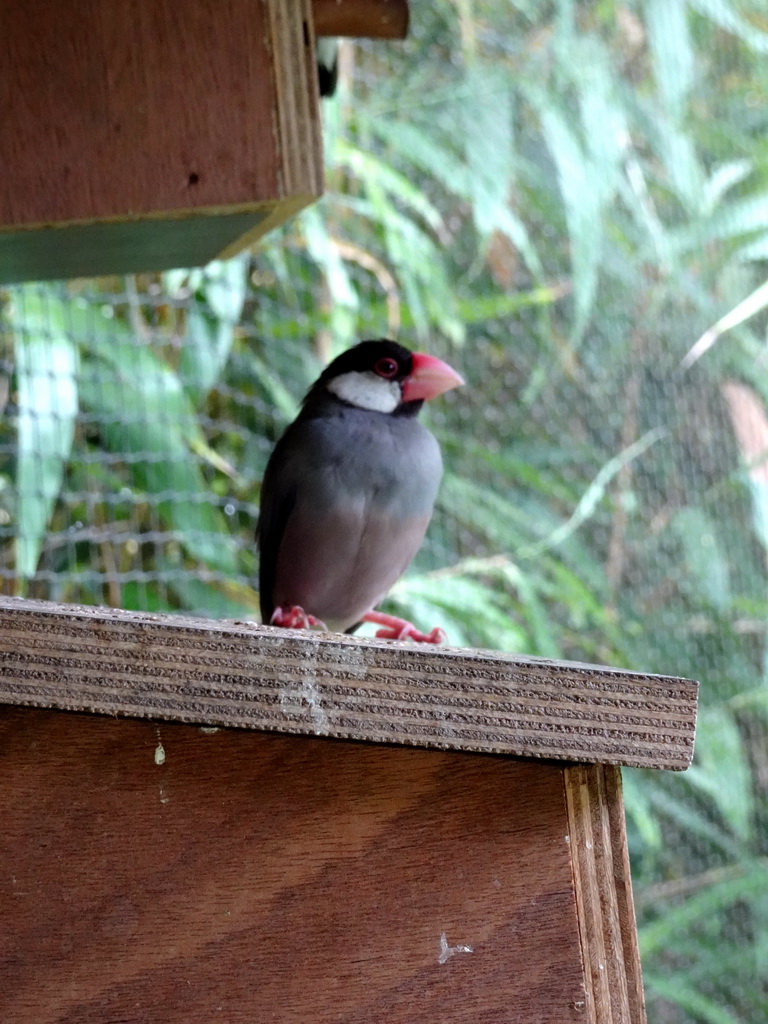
<point>348,492</point>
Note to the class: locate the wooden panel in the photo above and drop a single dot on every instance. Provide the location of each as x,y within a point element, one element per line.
<point>139,88</point>
<point>155,874</point>
<point>604,894</point>
<point>157,112</point>
<point>241,674</point>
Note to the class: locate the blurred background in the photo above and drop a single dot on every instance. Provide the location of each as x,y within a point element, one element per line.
<point>568,201</point>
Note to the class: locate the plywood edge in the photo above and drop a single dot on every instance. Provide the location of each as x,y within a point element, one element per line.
<point>328,684</point>
<point>603,890</point>
<point>277,210</point>
<point>298,127</point>
<point>286,209</point>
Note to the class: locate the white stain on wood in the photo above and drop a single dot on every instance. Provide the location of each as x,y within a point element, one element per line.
<point>305,695</point>
<point>160,761</point>
<point>446,951</point>
<point>159,750</point>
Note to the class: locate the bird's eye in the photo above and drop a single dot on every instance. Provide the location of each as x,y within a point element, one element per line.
<point>386,368</point>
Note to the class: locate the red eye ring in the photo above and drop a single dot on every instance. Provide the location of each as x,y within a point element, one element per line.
<point>386,368</point>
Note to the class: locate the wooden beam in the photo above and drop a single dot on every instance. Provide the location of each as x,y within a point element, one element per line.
<point>364,19</point>
<point>251,676</point>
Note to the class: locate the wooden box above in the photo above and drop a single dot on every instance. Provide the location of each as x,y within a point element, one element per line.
<point>163,873</point>
<point>141,136</point>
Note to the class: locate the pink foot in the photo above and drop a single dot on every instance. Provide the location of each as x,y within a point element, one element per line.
<point>401,629</point>
<point>295,618</point>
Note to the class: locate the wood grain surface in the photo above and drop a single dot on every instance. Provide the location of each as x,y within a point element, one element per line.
<point>241,674</point>
<point>158,874</point>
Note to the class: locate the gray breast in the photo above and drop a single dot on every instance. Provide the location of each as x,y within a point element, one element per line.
<point>394,461</point>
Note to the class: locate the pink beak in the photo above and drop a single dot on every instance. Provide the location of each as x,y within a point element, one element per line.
<point>429,377</point>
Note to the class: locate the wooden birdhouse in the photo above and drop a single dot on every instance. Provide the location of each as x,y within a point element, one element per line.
<point>211,821</point>
<point>142,136</point>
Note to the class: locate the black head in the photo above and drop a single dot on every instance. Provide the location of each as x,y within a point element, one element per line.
<point>381,356</point>
<point>368,376</point>
<point>383,377</point>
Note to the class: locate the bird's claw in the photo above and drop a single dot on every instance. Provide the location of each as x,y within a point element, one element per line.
<point>295,618</point>
<point>409,632</point>
<point>395,628</point>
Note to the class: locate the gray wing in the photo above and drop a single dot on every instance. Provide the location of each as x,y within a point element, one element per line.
<point>278,497</point>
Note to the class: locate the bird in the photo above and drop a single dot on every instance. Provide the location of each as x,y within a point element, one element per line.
<point>348,492</point>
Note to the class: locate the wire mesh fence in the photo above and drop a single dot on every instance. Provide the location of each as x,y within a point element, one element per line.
<point>560,200</point>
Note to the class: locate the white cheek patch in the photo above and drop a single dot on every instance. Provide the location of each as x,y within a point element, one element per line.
<point>366,391</point>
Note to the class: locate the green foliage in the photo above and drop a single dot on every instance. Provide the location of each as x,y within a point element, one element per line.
<point>76,356</point>
<point>570,201</point>
<point>47,399</point>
